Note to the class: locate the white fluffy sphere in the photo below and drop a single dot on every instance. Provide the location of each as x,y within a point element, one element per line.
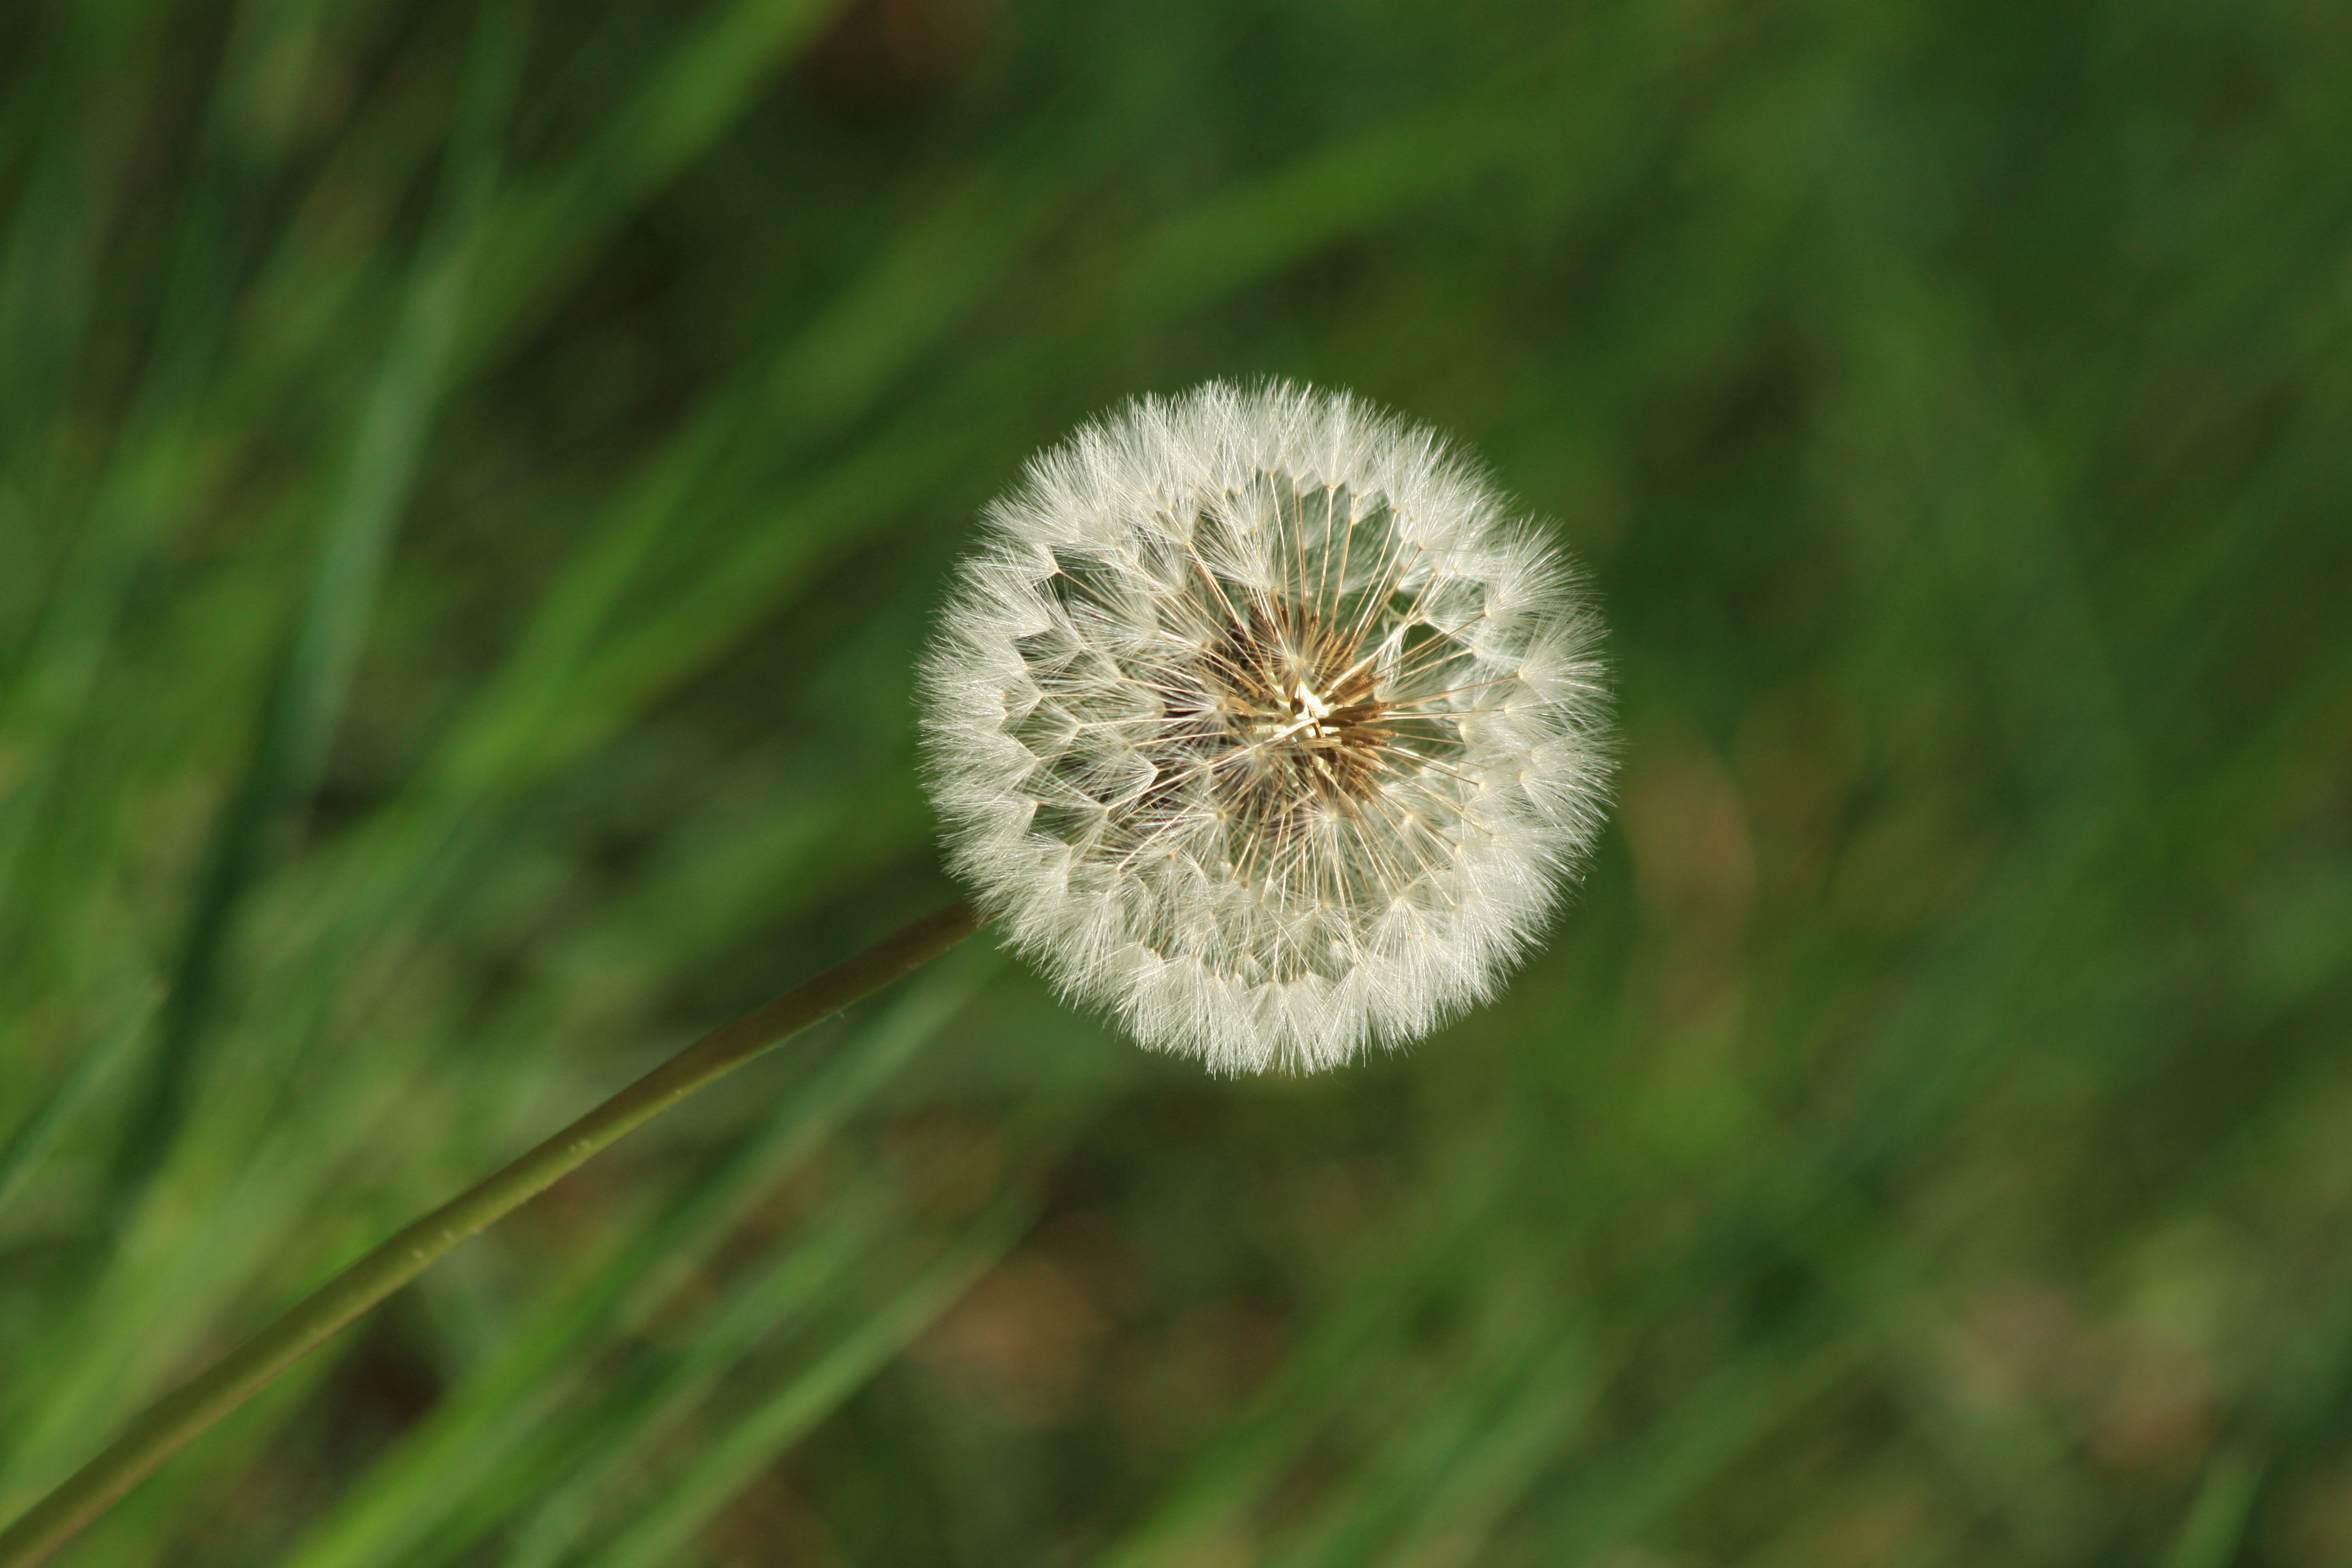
<point>1257,721</point>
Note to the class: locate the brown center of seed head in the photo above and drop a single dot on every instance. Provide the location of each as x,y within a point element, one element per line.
<point>1302,700</point>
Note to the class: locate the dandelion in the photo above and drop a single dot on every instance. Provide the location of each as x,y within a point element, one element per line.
<point>1257,723</point>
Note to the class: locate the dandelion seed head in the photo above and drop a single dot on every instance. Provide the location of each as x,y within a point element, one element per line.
<point>1256,721</point>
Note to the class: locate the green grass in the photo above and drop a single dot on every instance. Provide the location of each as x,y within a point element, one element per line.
<point>474,478</point>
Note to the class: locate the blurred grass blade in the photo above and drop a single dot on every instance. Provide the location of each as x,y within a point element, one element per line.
<point>1515,1381</point>
<point>1629,1490</point>
<point>1264,1438</point>
<point>1499,1464</point>
<point>244,136</point>
<point>313,678</point>
<point>477,1425</point>
<point>34,1137</point>
<point>663,1530</point>
<point>2006,1451</point>
<point>545,234</point>
<point>52,263</point>
<point>611,1444</point>
<point>228,1383</point>
<point>2215,1528</point>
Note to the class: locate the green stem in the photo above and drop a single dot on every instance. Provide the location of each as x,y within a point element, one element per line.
<point>244,1372</point>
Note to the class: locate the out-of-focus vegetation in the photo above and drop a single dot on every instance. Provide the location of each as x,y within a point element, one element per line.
<point>473,478</point>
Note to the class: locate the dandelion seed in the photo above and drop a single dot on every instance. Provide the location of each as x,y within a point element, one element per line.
<point>1256,723</point>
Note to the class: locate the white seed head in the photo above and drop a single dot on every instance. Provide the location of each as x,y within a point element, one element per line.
<point>1257,723</point>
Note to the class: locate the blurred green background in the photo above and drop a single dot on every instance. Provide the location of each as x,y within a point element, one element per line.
<point>473,481</point>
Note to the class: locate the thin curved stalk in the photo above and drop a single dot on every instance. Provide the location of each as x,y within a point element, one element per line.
<point>169,1423</point>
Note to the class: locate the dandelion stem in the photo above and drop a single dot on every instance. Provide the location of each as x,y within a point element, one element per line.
<point>155,1436</point>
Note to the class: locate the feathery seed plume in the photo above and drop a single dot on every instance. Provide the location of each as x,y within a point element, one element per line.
<point>1257,723</point>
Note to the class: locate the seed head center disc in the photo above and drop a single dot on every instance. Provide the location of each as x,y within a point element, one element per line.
<point>1305,705</point>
